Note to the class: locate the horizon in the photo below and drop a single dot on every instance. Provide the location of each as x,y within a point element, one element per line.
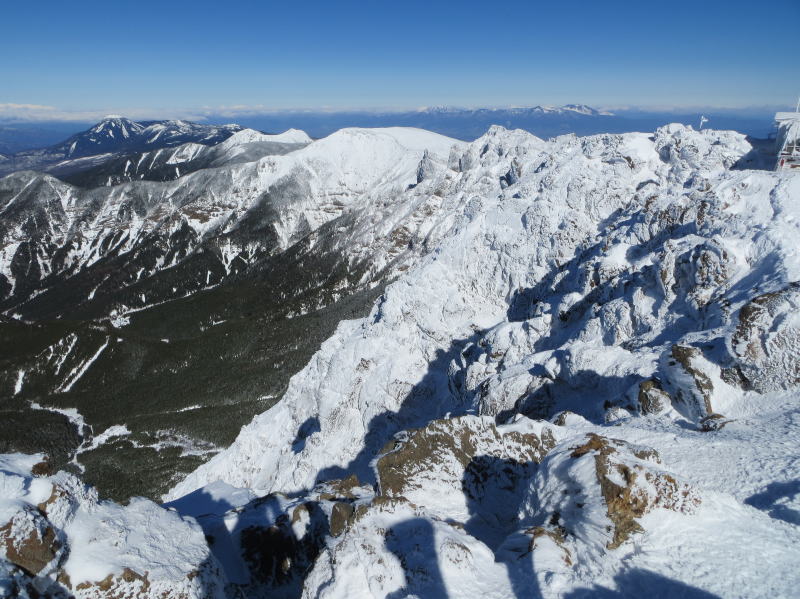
<point>18,114</point>
<point>349,58</point>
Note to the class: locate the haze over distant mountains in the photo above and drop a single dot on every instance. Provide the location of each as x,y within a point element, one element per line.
<point>543,121</point>
<point>461,123</point>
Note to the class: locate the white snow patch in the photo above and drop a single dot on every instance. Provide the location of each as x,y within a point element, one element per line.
<point>19,381</point>
<point>80,370</point>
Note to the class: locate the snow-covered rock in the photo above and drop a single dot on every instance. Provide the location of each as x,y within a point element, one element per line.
<point>609,276</point>
<point>58,540</point>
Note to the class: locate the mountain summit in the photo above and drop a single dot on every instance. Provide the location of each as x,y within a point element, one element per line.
<point>117,135</point>
<point>389,364</point>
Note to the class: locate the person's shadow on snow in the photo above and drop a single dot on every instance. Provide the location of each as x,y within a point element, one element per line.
<point>493,488</point>
<point>639,584</point>
<point>414,544</point>
<point>767,500</point>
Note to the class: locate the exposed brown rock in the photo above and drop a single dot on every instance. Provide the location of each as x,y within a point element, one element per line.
<point>684,355</point>
<point>30,541</point>
<point>652,397</point>
<point>127,585</point>
<point>341,514</point>
<point>627,502</point>
<point>451,444</point>
<point>64,579</point>
<point>43,468</point>
<point>735,378</point>
<point>304,509</point>
<point>340,488</point>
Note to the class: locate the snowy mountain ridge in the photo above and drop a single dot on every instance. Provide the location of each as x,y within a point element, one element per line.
<point>172,162</point>
<point>496,245</point>
<point>582,109</point>
<point>581,380</point>
<point>605,276</point>
<point>115,135</point>
<point>84,226</point>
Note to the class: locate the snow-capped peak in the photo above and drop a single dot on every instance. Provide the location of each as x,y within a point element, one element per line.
<point>587,110</point>
<point>291,136</point>
<point>247,136</point>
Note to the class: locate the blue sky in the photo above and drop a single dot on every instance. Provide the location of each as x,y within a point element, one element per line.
<point>139,57</point>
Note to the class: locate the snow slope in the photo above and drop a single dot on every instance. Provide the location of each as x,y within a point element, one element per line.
<point>622,277</point>
<point>583,381</point>
<point>301,190</point>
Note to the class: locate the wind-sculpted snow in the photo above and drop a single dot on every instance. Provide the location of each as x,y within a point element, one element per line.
<point>622,277</point>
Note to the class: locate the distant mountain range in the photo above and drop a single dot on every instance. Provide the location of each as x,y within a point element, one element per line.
<point>20,144</point>
<point>115,136</point>
<point>470,123</point>
<point>167,164</point>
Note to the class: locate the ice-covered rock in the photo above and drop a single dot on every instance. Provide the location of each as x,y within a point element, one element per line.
<point>766,340</point>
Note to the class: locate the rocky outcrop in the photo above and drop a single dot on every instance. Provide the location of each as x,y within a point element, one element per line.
<point>693,387</point>
<point>598,490</point>
<point>652,398</point>
<point>30,542</point>
<point>58,540</point>
<point>766,341</point>
<point>588,495</point>
<point>440,453</point>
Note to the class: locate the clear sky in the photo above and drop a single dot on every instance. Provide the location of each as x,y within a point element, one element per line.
<point>141,56</point>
